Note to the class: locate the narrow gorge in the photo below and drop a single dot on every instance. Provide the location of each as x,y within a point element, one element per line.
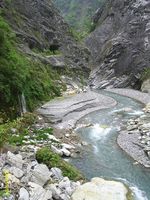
<point>74,100</point>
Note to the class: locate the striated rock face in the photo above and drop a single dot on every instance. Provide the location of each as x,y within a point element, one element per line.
<point>120,44</point>
<point>38,25</point>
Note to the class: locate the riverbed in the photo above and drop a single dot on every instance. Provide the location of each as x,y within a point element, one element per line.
<point>103,157</point>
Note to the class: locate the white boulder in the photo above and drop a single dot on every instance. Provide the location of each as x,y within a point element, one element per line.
<point>100,189</point>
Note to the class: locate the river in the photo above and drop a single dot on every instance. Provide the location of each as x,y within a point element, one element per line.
<point>103,157</point>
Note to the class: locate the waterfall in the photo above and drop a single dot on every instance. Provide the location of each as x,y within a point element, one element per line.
<point>22,101</point>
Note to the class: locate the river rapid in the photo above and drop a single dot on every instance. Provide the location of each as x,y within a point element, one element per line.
<point>103,157</point>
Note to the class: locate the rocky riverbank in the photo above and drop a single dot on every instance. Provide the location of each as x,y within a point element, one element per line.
<point>22,177</point>
<point>27,179</point>
<point>135,138</point>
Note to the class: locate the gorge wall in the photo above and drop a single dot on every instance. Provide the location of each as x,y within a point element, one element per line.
<point>38,25</point>
<point>120,43</point>
<point>37,50</point>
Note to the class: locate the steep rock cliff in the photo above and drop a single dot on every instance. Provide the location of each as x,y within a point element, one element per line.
<point>39,26</point>
<point>120,44</point>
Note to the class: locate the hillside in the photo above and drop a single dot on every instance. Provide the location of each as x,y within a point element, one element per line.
<point>37,48</point>
<point>78,13</point>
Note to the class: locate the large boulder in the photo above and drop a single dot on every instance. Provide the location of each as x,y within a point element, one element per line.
<point>40,174</point>
<point>15,160</point>
<point>100,189</point>
<point>39,193</point>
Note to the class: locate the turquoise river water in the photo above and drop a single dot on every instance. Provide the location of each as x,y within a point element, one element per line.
<point>103,157</point>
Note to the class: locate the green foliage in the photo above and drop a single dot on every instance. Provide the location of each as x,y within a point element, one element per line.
<point>46,156</point>
<point>78,13</point>
<point>78,35</point>
<point>146,74</point>
<point>40,85</point>
<point>14,132</point>
<point>20,131</point>
<point>19,74</point>
<point>2,193</point>
<point>3,135</point>
<point>47,52</point>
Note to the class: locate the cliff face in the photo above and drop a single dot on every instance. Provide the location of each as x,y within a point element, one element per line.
<point>41,59</point>
<point>39,26</point>
<point>120,44</point>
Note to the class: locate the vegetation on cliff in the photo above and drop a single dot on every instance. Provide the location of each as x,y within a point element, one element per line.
<point>19,74</point>
<point>78,13</point>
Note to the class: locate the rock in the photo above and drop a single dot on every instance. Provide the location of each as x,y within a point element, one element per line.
<point>31,165</point>
<point>67,135</point>
<point>147,149</point>
<point>64,197</point>
<point>145,127</point>
<point>67,186</point>
<point>56,61</point>
<point>23,194</point>
<point>100,189</point>
<point>113,44</point>
<point>67,146</point>
<point>39,193</point>
<point>56,150</point>
<point>14,180</point>
<point>15,160</point>
<point>134,132</point>
<point>40,174</point>
<point>52,137</point>
<point>63,184</point>
<point>148,134</point>
<point>56,192</point>
<point>57,173</point>
<point>148,154</point>
<point>18,173</point>
<point>132,127</point>
<point>147,108</point>
<point>66,152</point>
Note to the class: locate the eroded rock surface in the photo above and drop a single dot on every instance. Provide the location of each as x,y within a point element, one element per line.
<point>64,113</point>
<point>120,44</point>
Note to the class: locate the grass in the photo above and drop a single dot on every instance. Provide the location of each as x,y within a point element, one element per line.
<point>46,156</point>
<point>19,131</point>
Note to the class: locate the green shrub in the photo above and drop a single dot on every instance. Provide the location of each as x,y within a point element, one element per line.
<point>21,127</point>
<point>46,156</point>
<point>145,74</point>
